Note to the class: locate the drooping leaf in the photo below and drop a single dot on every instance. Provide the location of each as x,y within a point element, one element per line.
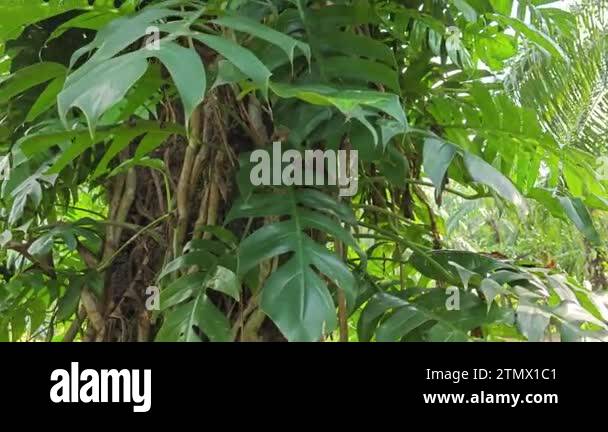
<point>249,26</point>
<point>29,77</point>
<point>101,88</point>
<point>347,101</point>
<point>578,213</point>
<point>242,58</point>
<point>532,321</point>
<point>534,35</point>
<point>188,73</point>
<point>437,157</point>
<point>484,173</point>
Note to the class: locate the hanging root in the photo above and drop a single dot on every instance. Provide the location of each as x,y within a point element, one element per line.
<point>342,311</point>
<point>123,195</point>
<point>183,186</point>
<point>213,205</point>
<point>434,230</point>
<point>70,335</point>
<point>183,208</point>
<point>342,252</point>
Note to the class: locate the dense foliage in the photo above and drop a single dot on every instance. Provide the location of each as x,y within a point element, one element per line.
<point>480,127</point>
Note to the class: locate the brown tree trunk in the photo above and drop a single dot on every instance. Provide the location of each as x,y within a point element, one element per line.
<point>200,178</point>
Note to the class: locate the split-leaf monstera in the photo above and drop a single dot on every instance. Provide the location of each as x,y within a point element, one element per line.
<point>126,207</point>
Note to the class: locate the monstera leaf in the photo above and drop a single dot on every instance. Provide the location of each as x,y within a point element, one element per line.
<point>295,296</point>
<point>189,312</point>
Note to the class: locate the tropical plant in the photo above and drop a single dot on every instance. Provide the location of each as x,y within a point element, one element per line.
<point>126,130</point>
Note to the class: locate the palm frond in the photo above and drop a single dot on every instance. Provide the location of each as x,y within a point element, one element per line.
<point>571,97</point>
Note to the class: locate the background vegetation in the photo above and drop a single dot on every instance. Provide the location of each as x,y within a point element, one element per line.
<point>480,127</point>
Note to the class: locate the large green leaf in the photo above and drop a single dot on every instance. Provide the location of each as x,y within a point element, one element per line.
<point>295,296</point>
<point>187,307</point>
<point>484,173</point>
<point>116,36</point>
<point>251,27</point>
<point>200,315</point>
<point>532,321</point>
<point>188,73</point>
<point>242,58</point>
<point>349,102</point>
<point>95,95</point>
<point>534,35</point>
<point>103,80</point>
<point>391,318</point>
<point>29,77</point>
<point>73,143</point>
<point>578,213</point>
<point>102,87</point>
<point>363,70</point>
<point>437,157</point>
<point>353,44</point>
<point>439,264</point>
<point>17,15</point>
<point>47,99</point>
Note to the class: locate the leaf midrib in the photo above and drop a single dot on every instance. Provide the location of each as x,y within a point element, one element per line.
<point>299,248</point>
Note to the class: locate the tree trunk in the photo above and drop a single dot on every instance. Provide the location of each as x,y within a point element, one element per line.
<point>200,180</point>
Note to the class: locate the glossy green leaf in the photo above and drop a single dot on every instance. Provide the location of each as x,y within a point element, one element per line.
<point>101,88</point>
<point>251,27</point>
<point>294,296</point>
<point>347,101</point>
<point>534,35</point>
<point>188,321</point>
<point>437,157</point>
<point>485,173</point>
<point>187,72</point>
<point>242,58</point>
<point>578,213</point>
<point>28,77</point>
